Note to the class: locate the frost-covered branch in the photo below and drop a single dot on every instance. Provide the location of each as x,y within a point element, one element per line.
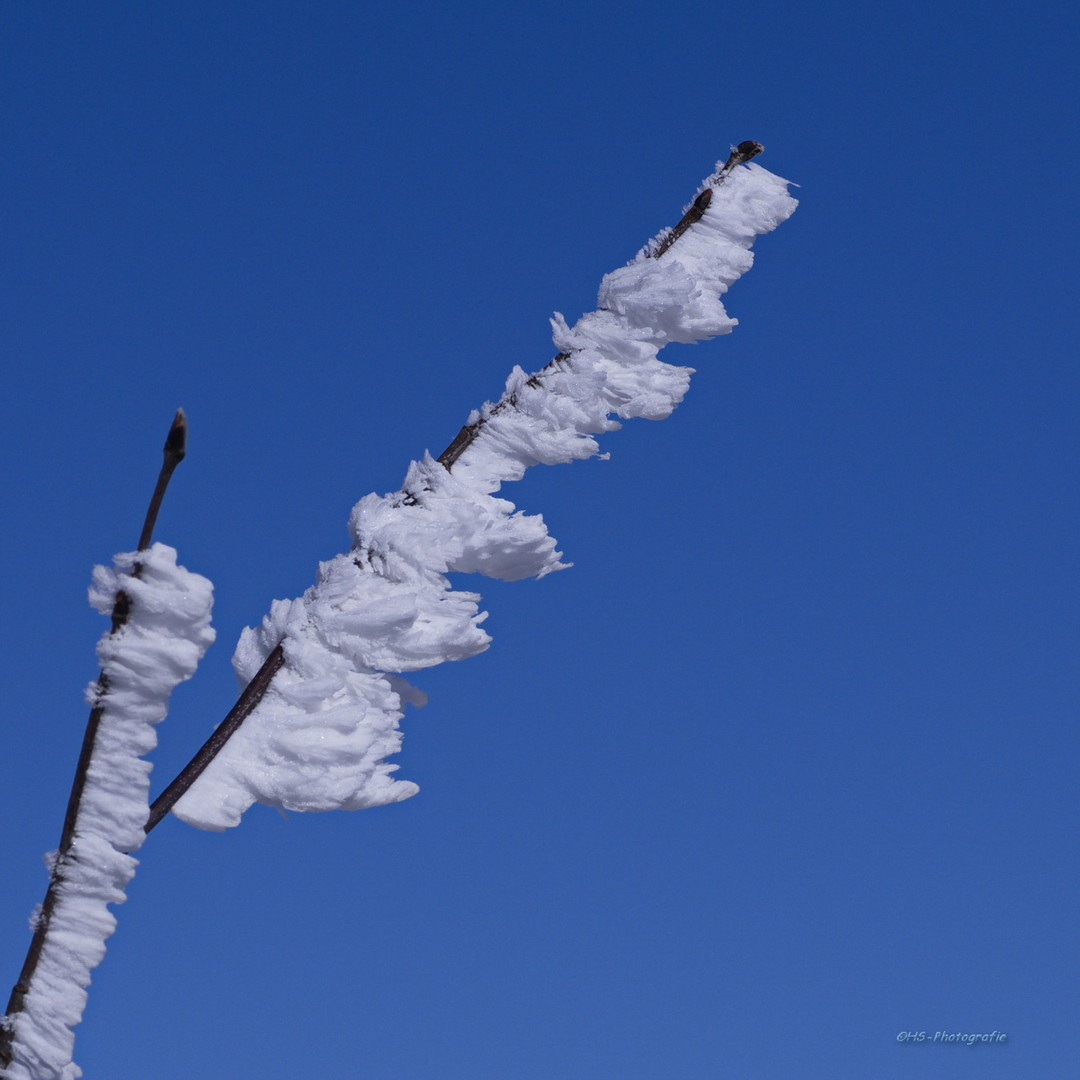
<point>318,736</point>
<point>160,616</point>
<point>655,250</point>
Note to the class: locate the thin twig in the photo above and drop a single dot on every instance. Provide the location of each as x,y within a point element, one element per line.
<point>739,156</point>
<point>464,438</point>
<point>175,444</point>
<point>252,695</point>
<point>175,448</point>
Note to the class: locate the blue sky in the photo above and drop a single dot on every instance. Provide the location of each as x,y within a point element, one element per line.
<point>785,765</point>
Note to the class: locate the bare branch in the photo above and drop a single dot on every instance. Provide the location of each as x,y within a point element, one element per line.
<point>174,450</point>
<point>252,695</point>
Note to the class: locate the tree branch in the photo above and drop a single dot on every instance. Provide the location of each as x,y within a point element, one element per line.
<point>175,444</point>
<point>258,686</point>
<point>252,695</point>
<point>739,156</point>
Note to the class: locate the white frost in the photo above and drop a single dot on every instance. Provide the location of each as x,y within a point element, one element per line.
<point>165,636</point>
<point>318,739</point>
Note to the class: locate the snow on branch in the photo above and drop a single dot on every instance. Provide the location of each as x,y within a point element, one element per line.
<point>155,644</point>
<point>318,737</point>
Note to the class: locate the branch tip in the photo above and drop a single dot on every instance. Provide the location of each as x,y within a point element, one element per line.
<point>174,450</point>
<point>176,440</point>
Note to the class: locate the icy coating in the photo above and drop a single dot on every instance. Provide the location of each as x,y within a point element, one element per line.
<point>320,736</point>
<point>167,632</point>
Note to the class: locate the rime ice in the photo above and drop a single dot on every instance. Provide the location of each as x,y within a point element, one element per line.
<point>319,738</point>
<point>165,636</point>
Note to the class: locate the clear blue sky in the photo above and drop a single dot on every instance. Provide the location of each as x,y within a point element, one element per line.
<point>786,764</point>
